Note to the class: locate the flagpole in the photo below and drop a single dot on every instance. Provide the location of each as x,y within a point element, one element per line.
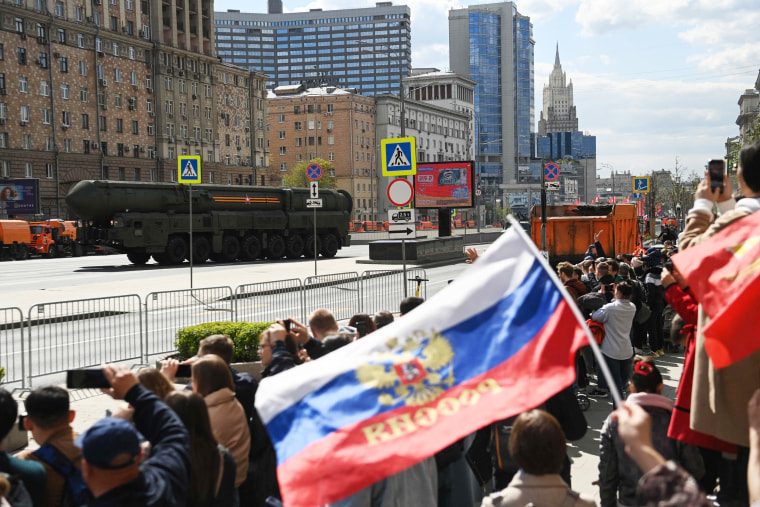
<point>594,347</point>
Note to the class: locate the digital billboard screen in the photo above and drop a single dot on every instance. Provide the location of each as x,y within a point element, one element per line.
<point>443,185</point>
<point>20,196</point>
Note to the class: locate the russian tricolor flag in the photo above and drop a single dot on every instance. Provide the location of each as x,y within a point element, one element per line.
<point>499,340</point>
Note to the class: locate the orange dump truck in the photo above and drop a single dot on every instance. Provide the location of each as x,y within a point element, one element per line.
<point>570,230</point>
<point>15,239</point>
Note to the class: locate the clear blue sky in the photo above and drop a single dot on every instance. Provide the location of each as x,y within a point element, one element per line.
<point>654,81</point>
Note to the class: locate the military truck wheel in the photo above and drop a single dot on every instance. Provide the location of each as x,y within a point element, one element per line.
<point>160,258</point>
<point>295,246</point>
<point>138,258</point>
<point>78,251</point>
<point>201,250</point>
<point>250,249</point>
<point>330,245</point>
<point>176,250</point>
<point>275,247</point>
<point>230,250</point>
<point>308,250</point>
<point>52,252</point>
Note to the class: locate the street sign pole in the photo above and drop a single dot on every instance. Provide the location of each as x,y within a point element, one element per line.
<point>189,174</point>
<point>315,241</point>
<point>403,260</point>
<point>543,206</point>
<point>190,194</point>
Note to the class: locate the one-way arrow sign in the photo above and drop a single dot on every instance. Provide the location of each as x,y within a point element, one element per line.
<point>314,188</point>
<point>404,230</point>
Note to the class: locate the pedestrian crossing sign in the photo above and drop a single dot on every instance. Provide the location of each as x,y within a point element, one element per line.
<point>399,156</point>
<point>189,169</point>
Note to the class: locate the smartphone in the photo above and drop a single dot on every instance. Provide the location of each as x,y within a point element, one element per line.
<point>21,422</point>
<point>361,328</point>
<point>184,371</point>
<point>83,379</point>
<point>286,323</point>
<point>716,168</point>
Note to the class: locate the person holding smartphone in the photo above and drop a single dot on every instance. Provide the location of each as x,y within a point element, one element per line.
<point>720,396</point>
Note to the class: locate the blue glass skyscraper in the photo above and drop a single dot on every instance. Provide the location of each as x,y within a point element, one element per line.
<point>493,45</point>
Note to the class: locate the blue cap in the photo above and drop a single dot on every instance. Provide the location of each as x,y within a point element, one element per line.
<point>111,443</point>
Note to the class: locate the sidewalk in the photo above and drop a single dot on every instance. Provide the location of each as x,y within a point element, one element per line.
<point>585,452</point>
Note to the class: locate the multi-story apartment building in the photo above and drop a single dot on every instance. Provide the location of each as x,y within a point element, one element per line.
<point>364,48</point>
<point>118,89</point>
<point>330,123</point>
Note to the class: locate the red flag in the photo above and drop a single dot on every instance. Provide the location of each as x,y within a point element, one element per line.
<point>724,274</point>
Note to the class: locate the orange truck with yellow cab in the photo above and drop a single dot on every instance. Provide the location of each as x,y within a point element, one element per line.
<point>570,230</point>
<point>15,239</point>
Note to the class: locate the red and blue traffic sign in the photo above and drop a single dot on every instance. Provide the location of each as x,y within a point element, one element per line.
<point>314,171</point>
<point>551,171</point>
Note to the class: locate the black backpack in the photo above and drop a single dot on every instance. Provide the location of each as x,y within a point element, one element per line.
<point>75,493</point>
<point>18,496</point>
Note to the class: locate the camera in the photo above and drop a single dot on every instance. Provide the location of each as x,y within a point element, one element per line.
<point>184,371</point>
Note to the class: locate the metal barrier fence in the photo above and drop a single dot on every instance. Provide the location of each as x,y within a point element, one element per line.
<point>383,290</point>
<point>12,345</point>
<point>89,332</point>
<point>339,292</point>
<point>167,311</point>
<point>86,332</point>
<point>269,301</point>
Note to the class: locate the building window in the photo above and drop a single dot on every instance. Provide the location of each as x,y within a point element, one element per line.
<point>282,150</point>
<point>2,52</point>
<point>282,118</point>
<point>150,129</point>
<point>83,95</point>
<point>23,84</point>
<point>80,40</point>
<point>47,116</point>
<point>25,114</point>
<point>21,54</point>
<point>5,168</point>
<point>114,24</point>
<point>26,142</point>
<point>102,124</point>
<point>44,88</point>
<point>66,118</point>
<point>19,25</point>
<point>117,75</point>
<point>61,36</point>
<point>119,125</point>
<point>49,170</point>
<point>27,169</point>
<point>65,92</point>
<point>79,12</point>
<point>42,60</point>
<point>135,127</point>
<point>59,9</point>
<point>283,166</point>
<point>4,144</point>
<point>64,64</point>
<point>86,121</point>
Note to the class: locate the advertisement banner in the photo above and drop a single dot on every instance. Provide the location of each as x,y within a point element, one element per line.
<point>20,196</point>
<point>444,185</point>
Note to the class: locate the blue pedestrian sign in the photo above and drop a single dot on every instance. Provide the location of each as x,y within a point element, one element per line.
<point>314,171</point>
<point>641,184</point>
<point>189,169</point>
<point>551,171</point>
<point>399,156</point>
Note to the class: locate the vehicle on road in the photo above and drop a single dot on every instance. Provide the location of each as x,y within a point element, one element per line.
<point>15,239</point>
<point>570,230</point>
<point>229,223</point>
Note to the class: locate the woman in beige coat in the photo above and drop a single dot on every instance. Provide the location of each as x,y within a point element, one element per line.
<point>212,380</point>
<point>537,446</point>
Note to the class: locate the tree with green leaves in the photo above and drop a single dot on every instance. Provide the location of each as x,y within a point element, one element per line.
<point>296,177</point>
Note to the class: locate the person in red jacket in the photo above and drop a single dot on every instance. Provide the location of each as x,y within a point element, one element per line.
<point>678,296</point>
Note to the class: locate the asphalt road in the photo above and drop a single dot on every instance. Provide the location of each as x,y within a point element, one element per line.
<point>117,303</point>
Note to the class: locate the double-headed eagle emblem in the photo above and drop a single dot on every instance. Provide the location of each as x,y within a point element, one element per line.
<point>415,371</point>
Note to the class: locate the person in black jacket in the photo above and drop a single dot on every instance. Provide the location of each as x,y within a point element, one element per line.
<point>112,466</point>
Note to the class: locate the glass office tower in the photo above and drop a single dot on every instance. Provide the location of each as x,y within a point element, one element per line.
<point>492,44</point>
<point>368,49</point>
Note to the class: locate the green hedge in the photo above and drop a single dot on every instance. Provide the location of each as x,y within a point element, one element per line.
<point>245,335</point>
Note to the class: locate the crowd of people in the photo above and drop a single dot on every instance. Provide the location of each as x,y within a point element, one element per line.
<point>204,444</point>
